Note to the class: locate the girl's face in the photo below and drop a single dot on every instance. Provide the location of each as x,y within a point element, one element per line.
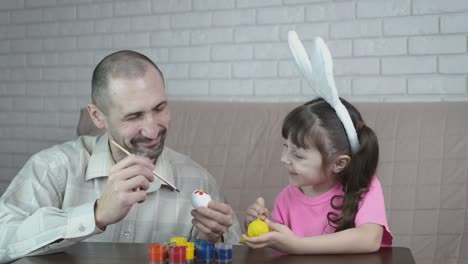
<point>305,167</point>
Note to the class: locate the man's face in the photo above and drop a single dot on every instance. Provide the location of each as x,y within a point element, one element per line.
<point>138,115</point>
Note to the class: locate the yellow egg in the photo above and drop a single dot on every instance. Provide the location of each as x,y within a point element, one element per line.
<point>257,227</point>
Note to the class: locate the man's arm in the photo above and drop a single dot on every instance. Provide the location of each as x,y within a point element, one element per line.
<point>217,222</point>
<point>31,221</point>
<point>48,230</point>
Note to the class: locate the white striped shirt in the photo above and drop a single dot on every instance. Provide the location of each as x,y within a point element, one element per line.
<point>52,199</point>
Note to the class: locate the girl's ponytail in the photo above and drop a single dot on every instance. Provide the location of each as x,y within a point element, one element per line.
<point>357,177</point>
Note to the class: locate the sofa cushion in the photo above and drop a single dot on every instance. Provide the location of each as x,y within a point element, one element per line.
<point>423,163</point>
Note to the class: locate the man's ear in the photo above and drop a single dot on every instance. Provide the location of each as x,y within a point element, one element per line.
<point>96,115</point>
<point>341,162</point>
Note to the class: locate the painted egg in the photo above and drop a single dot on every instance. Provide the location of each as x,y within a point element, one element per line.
<point>200,198</point>
<point>257,227</point>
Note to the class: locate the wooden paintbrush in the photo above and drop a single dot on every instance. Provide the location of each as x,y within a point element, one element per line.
<point>154,173</point>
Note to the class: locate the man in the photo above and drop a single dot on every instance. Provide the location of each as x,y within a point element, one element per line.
<point>90,189</point>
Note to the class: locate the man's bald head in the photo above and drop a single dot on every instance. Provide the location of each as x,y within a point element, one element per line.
<point>125,64</point>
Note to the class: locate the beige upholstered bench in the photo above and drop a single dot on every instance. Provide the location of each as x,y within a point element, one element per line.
<point>423,166</point>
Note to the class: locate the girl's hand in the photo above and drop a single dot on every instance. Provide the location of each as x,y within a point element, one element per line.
<point>280,238</point>
<point>256,210</point>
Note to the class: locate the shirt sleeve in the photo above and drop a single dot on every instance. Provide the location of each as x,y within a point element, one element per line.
<point>372,210</point>
<point>31,221</point>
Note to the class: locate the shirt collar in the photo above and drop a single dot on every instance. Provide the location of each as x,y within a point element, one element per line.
<point>101,161</point>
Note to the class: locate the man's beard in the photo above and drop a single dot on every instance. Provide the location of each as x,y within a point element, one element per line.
<point>151,154</point>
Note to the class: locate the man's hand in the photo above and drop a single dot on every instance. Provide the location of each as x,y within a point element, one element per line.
<point>212,221</point>
<point>126,185</point>
<point>256,210</point>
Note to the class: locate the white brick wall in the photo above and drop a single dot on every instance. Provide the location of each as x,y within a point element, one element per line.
<point>404,50</point>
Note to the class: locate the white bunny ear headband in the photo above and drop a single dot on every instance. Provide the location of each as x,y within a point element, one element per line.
<point>319,75</point>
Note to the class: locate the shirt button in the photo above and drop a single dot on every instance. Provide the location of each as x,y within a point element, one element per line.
<point>126,233</point>
<point>82,228</point>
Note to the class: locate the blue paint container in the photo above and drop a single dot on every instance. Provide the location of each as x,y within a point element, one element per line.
<point>204,251</point>
<point>223,253</point>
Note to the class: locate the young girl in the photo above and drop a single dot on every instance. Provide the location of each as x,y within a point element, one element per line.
<point>334,203</point>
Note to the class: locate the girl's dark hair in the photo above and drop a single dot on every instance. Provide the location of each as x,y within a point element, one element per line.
<point>315,124</point>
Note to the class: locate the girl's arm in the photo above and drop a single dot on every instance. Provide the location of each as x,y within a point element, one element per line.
<point>363,239</point>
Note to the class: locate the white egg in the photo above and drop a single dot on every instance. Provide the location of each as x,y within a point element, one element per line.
<point>200,198</point>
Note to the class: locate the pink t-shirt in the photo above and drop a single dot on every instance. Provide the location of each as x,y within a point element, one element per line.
<point>307,216</point>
